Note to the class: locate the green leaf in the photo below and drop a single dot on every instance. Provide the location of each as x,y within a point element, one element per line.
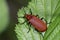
<point>49,10</point>
<point>22,30</point>
<point>22,34</point>
<point>53,30</point>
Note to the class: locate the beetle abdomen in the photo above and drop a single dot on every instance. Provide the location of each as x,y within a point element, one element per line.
<point>38,24</point>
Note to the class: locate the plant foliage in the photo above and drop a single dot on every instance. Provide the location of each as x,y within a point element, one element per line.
<point>48,9</point>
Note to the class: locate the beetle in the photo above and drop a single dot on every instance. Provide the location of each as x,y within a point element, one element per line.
<point>37,23</point>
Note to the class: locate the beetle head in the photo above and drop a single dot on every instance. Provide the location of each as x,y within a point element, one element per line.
<point>28,16</point>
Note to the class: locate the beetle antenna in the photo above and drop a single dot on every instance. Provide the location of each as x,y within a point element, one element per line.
<point>24,11</point>
<point>30,11</point>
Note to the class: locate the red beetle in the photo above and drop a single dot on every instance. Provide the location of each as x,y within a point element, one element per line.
<point>37,23</point>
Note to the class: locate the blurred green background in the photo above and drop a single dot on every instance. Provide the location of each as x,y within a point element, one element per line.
<point>13,6</point>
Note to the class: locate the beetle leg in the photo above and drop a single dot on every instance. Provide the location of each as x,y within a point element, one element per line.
<point>29,29</point>
<point>45,21</point>
<point>21,17</point>
<point>39,32</point>
<point>49,22</point>
<point>42,18</point>
<point>37,16</point>
<point>29,26</point>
